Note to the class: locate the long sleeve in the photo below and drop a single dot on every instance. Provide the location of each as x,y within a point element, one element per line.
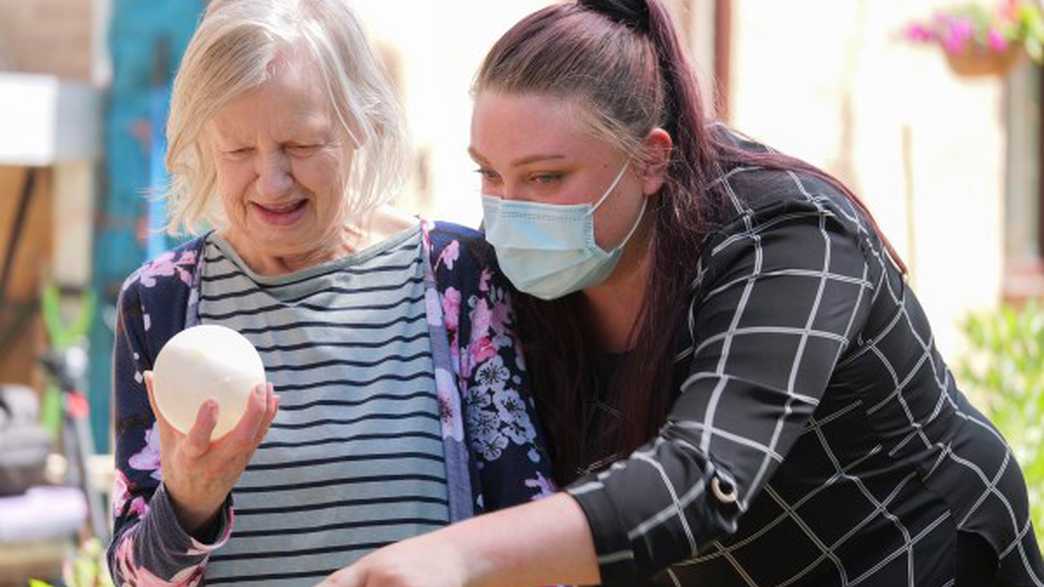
<point>505,443</point>
<point>780,294</point>
<point>148,544</point>
<point>499,413</point>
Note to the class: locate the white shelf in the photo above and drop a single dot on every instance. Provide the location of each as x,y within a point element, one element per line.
<point>45,121</point>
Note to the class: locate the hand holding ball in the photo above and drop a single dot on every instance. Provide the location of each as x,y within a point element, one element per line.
<point>206,362</point>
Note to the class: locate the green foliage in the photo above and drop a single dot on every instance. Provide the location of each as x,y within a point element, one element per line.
<point>1005,371</point>
<point>62,335</point>
<point>87,569</point>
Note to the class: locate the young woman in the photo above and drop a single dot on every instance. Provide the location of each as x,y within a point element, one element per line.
<point>738,386</point>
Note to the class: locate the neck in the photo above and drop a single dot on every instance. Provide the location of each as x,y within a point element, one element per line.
<point>375,227</point>
<point>612,307</point>
<point>262,262</point>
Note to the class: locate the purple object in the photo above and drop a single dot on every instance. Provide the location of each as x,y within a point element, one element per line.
<point>41,513</point>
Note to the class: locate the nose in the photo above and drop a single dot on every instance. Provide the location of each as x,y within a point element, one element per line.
<point>274,178</point>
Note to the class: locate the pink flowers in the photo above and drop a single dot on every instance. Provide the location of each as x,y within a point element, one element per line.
<point>121,494</point>
<point>169,264</point>
<point>976,29</point>
<point>129,572</point>
<point>919,33</point>
<point>997,41</point>
<point>449,256</point>
<point>451,308</point>
<point>149,457</point>
<point>958,32</point>
<point>955,32</point>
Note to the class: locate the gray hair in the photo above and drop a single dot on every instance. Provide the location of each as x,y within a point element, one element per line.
<point>231,53</point>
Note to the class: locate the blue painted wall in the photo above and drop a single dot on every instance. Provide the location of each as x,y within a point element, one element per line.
<point>146,40</point>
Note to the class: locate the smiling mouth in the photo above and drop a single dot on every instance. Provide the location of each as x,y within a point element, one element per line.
<point>281,214</point>
<point>281,208</point>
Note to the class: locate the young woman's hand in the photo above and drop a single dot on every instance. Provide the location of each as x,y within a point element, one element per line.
<point>416,562</point>
<point>199,474</point>
<point>543,542</point>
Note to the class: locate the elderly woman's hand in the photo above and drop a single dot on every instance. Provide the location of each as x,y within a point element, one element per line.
<point>199,474</point>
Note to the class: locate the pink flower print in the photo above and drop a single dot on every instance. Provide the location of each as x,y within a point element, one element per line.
<point>449,255</point>
<point>451,309</point>
<point>119,490</point>
<point>161,266</point>
<point>484,280</point>
<point>481,350</point>
<point>167,265</point>
<point>426,227</point>
<point>449,405</point>
<point>149,457</point>
<point>481,318</point>
<point>455,355</point>
<point>130,573</point>
<point>120,494</point>
<point>139,507</point>
<point>464,360</point>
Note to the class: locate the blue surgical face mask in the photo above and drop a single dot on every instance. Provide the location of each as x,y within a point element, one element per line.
<point>549,250</point>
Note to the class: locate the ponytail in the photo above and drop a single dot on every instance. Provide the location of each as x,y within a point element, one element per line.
<point>623,61</point>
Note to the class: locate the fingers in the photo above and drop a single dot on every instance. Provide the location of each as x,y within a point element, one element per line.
<point>346,577</point>
<point>270,414</point>
<point>167,430</point>
<point>198,439</point>
<point>253,416</point>
<point>152,399</point>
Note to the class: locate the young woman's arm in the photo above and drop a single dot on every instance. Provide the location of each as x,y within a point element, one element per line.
<point>539,543</point>
<point>785,291</point>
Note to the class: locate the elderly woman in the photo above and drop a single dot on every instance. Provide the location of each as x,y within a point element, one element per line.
<point>388,339</point>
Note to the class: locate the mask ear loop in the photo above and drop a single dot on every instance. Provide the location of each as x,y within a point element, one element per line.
<point>612,187</point>
<point>641,214</point>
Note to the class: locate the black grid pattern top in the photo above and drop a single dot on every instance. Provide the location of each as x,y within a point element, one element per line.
<point>817,437</point>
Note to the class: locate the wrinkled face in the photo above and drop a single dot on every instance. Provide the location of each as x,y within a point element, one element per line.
<point>282,163</point>
<point>535,148</point>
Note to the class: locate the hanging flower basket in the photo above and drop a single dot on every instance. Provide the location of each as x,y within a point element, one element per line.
<point>974,62</point>
<point>981,41</point>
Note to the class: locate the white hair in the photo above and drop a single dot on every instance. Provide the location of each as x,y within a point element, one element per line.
<point>231,53</point>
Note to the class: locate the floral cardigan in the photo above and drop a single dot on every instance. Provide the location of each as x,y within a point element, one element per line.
<point>494,450</point>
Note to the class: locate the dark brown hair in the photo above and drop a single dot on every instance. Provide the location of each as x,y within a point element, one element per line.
<point>621,61</point>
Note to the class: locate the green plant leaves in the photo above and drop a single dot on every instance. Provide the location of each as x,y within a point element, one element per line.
<point>1004,368</point>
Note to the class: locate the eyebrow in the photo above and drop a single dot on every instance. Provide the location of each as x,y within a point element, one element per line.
<point>518,162</point>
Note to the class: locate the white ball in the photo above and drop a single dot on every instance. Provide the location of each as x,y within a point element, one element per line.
<point>206,362</point>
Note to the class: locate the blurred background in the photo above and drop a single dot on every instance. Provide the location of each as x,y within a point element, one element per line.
<point>931,112</point>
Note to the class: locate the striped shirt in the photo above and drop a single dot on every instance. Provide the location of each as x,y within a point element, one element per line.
<point>354,460</point>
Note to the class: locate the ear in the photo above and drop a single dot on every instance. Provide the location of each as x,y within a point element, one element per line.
<point>656,151</point>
